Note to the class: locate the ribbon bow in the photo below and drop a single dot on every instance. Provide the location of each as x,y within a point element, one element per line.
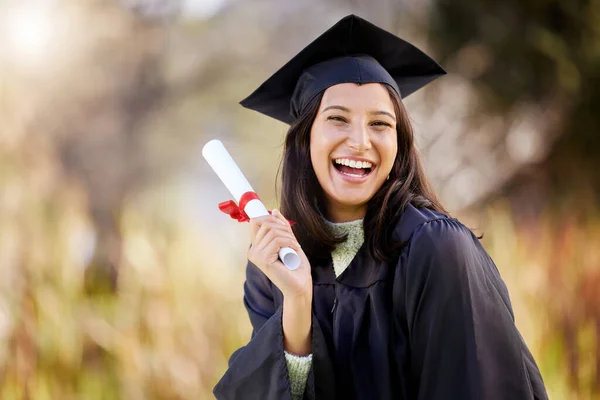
<point>237,211</point>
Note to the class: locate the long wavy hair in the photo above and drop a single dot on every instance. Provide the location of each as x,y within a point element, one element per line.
<point>302,198</point>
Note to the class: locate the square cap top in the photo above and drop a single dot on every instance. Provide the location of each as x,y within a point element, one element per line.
<point>351,51</point>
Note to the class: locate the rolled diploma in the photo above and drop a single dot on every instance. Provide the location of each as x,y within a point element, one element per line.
<point>230,174</point>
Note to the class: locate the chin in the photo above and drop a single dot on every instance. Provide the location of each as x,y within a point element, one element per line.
<point>352,196</point>
<point>351,201</point>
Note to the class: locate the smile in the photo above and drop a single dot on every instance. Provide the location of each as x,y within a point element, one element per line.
<point>355,171</point>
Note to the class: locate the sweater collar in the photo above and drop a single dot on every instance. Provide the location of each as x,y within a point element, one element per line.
<point>346,228</point>
<point>363,271</point>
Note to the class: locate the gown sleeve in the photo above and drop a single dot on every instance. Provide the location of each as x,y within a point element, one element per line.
<point>463,340</point>
<point>258,370</point>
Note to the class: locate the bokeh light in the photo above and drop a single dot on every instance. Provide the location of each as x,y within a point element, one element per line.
<point>31,32</point>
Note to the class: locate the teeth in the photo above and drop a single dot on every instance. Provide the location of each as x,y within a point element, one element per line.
<point>353,163</point>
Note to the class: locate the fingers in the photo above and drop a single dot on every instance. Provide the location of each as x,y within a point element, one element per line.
<point>275,221</point>
<point>276,244</point>
<point>280,217</point>
<point>268,232</point>
<point>255,224</point>
<point>269,235</point>
<point>267,256</point>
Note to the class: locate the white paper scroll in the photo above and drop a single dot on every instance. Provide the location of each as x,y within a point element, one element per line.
<point>230,174</point>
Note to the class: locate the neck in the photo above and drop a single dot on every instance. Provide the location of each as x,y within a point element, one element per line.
<point>346,214</point>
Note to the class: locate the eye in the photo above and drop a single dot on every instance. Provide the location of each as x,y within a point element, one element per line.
<point>381,124</point>
<point>336,118</point>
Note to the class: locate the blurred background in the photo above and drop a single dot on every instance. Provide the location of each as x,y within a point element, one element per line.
<point>119,277</point>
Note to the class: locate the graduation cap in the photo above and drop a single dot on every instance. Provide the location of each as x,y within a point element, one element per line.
<point>353,50</point>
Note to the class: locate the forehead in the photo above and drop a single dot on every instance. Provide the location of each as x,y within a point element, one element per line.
<point>356,97</point>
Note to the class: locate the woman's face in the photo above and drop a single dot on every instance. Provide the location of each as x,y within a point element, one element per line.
<point>353,145</point>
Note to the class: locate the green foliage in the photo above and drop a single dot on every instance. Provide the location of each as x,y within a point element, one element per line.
<point>528,51</point>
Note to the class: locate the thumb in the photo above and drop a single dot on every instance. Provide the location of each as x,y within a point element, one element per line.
<point>280,216</point>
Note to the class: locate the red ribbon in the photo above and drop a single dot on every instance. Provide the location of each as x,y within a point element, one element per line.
<point>237,211</point>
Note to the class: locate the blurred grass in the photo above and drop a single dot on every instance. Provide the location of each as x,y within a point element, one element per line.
<point>178,314</point>
<point>166,333</point>
<point>551,265</point>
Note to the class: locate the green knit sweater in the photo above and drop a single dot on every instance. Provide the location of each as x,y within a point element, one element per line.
<point>342,255</point>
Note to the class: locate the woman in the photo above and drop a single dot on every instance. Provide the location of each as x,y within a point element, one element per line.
<point>393,298</point>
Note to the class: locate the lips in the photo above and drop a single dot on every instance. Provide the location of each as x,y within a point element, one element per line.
<point>352,171</point>
<point>352,175</point>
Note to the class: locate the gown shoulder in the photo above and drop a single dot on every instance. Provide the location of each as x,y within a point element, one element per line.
<point>458,315</point>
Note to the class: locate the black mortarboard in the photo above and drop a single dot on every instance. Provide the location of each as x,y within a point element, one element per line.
<point>353,50</point>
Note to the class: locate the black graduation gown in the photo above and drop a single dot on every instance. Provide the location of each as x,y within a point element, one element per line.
<point>435,324</point>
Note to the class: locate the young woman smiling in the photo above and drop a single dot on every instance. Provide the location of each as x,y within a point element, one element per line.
<point>393,299</point>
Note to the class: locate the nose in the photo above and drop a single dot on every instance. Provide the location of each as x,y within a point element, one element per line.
<point>359,139</point>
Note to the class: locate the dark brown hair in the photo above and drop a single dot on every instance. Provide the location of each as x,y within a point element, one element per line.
<point>302,198</point>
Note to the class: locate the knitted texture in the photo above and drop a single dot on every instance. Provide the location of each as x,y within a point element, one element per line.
<point>344,252</point>
<point>299,367</point>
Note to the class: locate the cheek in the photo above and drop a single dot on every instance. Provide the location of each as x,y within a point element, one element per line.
<point>388,150</point>
<point>314,147</point>
<point>319,149</point>
<point>316,155</point>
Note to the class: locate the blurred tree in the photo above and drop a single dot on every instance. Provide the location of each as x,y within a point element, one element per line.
<point>533,51</point>
<point>103,143</point>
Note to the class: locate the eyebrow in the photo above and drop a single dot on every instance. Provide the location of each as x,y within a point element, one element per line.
<point>346,109</point>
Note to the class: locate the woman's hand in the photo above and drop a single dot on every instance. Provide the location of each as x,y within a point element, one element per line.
<point>269,234</point>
